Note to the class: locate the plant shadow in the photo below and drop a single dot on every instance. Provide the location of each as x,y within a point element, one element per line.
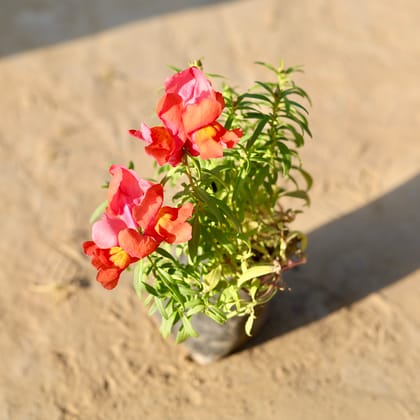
<point>27,25</point>
<point>348,259</point>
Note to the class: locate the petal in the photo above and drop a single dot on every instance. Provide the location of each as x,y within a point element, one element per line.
<point>145,213</point>
<point>89,248</point>
<point>190,84</point>
<point>136,133</point>
<point>169,110</point>
<point>125,188</point>
<point>135,244</point>
<point>201,114</point>
<point>172,225</point>
<point>108,277</point>
<point>185,211</point>
<point>205,140</point>
<point>164,147</point>
<point>231,137</point>
<point>105,231</point>
<point>220,99</point>
<point>119,257</point>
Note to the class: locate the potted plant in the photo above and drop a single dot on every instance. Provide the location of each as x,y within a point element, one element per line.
<point>219,252</point>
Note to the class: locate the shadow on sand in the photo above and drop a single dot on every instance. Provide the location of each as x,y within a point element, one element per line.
<point>350,258</point>
<point>33,24</point>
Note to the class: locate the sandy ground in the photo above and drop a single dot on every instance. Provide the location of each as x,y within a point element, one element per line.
<point>344,344</point>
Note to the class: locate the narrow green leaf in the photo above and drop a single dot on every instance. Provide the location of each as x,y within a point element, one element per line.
<point>160,307</point>
<point>266,86</point>
<point>258,129</point>
<point>212,279</point>
<point>165,254</point>
<point>193,242</point>
<point>249,324</point>
<point>255,115</point>
<point>186,331</point>
<point>254,272</point>
<point>297,105</point>
<point>198,308</point>
<point>259,96</point>
<point>168,282</point>
<point>139,278</point>
<point>307,176</point>
<point>286,157</point>
<point>266,65</point>
<point>98,212</point>
<point>216,314</point>
<point>150,289</point>
<point>303,195</point>
<point>167,324</point>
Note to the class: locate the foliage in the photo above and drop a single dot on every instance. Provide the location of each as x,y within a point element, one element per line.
<point>241,239</point>
<point>240,231</point>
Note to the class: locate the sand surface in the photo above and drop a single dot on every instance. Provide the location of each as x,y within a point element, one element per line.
<point>344,344</point>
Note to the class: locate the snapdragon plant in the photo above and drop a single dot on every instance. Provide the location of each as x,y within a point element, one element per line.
<point>232,158</point>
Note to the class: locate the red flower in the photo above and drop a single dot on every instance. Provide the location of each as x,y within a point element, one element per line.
<point>133,225</point>
<point>110,263</point>
<point>125,190</point>
<point>209,141</point>
<point>161,144</point>
<point>163,223</point>
<point>190,105</point>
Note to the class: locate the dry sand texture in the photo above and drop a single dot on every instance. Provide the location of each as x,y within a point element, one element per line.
<point>345,344</point>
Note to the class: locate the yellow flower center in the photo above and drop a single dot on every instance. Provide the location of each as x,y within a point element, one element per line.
<point>119,257</point>
<point>205,133</point>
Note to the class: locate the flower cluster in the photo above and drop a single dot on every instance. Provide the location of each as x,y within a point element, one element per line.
<point>189,110</point>
<point>135,223</point>
<point>221,250</point>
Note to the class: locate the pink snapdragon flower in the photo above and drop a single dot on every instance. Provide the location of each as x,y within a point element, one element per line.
<point>133,225</point>
<point>189,110</point>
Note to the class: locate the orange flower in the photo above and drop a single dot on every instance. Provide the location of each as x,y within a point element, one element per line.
<point>133,225</point>
<point>189,110</point>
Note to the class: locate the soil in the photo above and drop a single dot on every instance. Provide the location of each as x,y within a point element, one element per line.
<point>343,344</point>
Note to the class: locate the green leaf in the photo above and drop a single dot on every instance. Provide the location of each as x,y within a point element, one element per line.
<point>254,272</point>
<point>212,205</point>
<point>306,175</point>
<point>175,69</point>
<point>193,242</point>
<point>186,330</point>
<point>172,286</point>
<point>212,279</point>
<point>165,254</point>
<point>228,213</point>
<point>139,278</point>
<point>259,96</point>
<point>167,324</point>
<point>266,86</point>
<point>268,66</point>
<point>303,195</point>
<point>197,308</point>
<point>230,295</point>
<point>303,241</point>
<point>150,289</point>
<point>286,157</point>
<point>249,324</point>
<point>98,212</point>
<point>160,307</point>
<point>258,129</point>
<point>297,105</point>
<point>216,314</point>
<point>256,115</point>
<point>298,138</point>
